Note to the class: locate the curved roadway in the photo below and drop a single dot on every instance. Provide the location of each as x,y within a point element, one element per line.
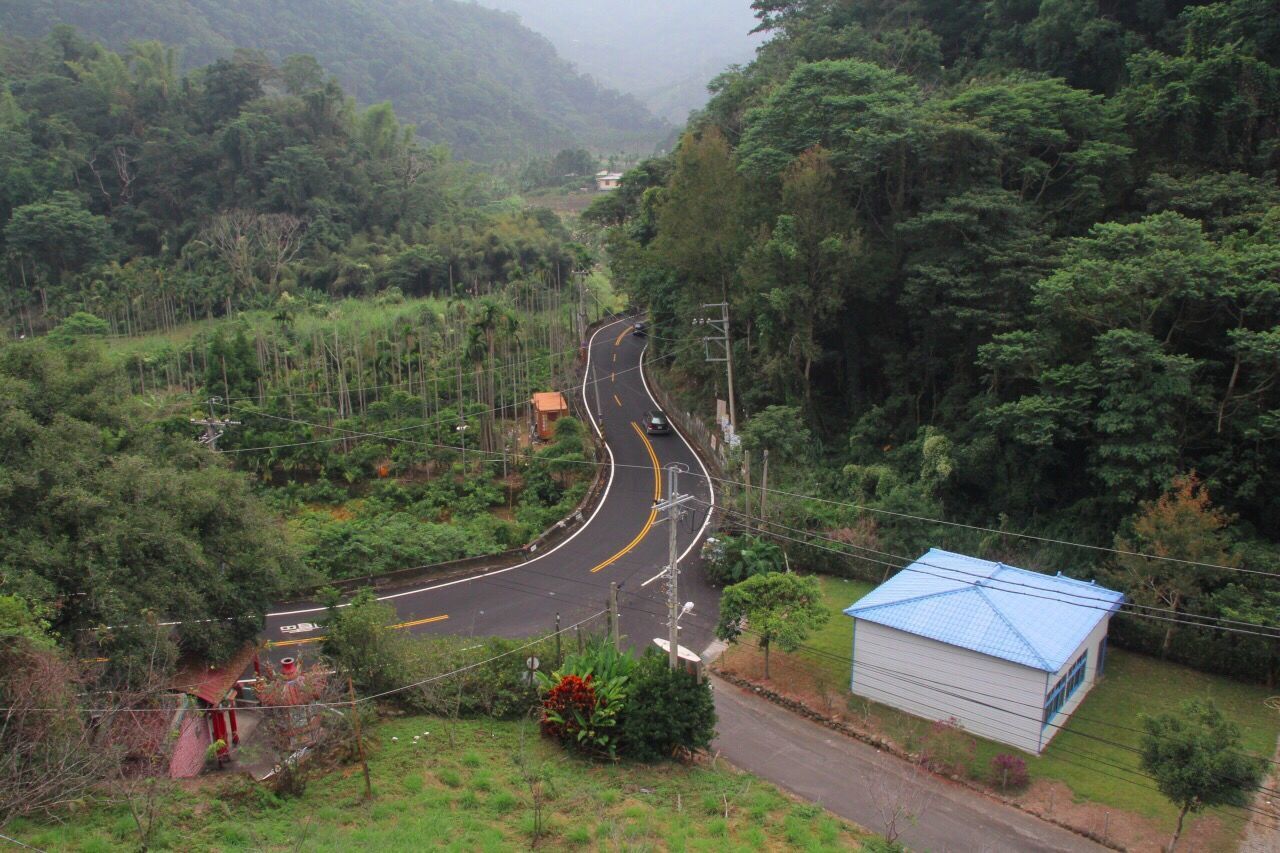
<point>622,541</point>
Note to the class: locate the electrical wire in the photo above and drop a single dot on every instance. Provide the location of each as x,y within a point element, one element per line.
<point>979,528</point>
<point>987,582</point>
<point>993,583</point>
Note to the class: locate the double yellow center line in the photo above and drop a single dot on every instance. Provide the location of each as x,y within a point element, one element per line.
<point>653,513</point>
<point>399,626</point>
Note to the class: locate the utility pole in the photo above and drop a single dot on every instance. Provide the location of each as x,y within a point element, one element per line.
<point>764,484</point>
<point>581,275</point>
<point>721,326</point>
<point>595,383</point>
<point>214,426</point>
<point>671,506</point>
<point>614,616</point>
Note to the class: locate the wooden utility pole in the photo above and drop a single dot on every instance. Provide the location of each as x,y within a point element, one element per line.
<point>764,484</point>
<point>355,719</point>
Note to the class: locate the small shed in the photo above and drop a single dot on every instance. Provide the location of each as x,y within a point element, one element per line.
<point>1008,653</point>
<point>548,407</point>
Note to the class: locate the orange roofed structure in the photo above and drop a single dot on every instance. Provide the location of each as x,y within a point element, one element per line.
<point>548,407</point>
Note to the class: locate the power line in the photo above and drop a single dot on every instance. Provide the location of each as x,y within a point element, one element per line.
<point>989,582</point>
<point>1045,539</point>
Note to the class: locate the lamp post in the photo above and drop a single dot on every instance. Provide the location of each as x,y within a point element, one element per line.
<point>462,431</point>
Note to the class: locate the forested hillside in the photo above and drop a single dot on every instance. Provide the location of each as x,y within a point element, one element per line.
<point>148,197</point>
<point>466,76</point>
<point>182,237</point>
<point>1017,264</point>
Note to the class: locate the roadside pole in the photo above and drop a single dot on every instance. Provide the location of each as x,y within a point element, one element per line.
<point>614,619</point>
<point>671,506</point>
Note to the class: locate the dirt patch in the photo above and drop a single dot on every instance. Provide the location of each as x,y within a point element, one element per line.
<point>1135,833</point>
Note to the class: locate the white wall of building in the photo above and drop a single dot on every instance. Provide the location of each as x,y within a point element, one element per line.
<point>991,697</point>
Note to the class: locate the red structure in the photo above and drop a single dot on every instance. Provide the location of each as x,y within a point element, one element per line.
<point>548,407</point>
<point>209,712</point>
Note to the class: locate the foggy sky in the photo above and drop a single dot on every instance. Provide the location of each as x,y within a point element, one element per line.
<point>664,51</point>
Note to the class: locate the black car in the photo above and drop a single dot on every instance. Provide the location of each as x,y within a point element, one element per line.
<point>640,329</point>
<point>656,423</point>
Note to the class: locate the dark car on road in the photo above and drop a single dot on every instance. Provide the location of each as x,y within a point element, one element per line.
<point>640,329</point>
<point>656,423</point>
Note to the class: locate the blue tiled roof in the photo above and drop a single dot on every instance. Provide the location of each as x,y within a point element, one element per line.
<point>1026,617</point>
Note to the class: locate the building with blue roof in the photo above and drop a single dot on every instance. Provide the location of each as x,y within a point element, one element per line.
<point>1007,652</point>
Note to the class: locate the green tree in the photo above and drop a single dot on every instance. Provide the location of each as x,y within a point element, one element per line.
<point>1181,525</point>
<point>667,712</point>
<point>1195,757</point>
<point>781,609</point>
<point>360,641</point>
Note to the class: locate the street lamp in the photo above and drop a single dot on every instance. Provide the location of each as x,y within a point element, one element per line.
<point>462,431</point>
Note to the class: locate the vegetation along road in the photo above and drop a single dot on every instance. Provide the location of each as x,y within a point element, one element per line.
<point>623,540</point>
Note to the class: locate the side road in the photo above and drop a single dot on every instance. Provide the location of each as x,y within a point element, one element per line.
<point>861,784</point>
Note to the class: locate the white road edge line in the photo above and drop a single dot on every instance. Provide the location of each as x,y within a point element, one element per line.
<point>705,473</point>
<point>544,555</point>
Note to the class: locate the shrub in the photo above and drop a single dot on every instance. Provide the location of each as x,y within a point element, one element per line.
<point>569,710</point>
<point>585,697</point>
<point>666,712</point>
<point>730,559</point>
<point>1009,772</point>
<point>947,749</point>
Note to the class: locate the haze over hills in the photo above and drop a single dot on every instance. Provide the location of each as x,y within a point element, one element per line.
<point>464,75</point>
<point>663,51</point>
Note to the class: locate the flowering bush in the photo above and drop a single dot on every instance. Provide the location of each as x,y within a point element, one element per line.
<point>1009,772</point>
<point>585,697</point>
<point>568,708</point>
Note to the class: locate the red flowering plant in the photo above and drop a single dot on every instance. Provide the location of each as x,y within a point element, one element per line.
<point>584,698</point>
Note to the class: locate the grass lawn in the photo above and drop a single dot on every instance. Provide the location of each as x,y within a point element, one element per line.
<point>1094,755</point>
<point>469,796</point>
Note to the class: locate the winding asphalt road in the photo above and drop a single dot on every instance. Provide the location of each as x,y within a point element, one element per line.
<point>622,541</point>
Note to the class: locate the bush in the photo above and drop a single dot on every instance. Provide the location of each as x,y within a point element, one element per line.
<point>947,749</point>
<point>1009,772</point>
<point>666,712</point>
<point>500,687</point>
<point>731,559</point>
<point>585,698</point>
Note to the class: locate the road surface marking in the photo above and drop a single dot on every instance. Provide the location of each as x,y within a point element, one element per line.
<point>599,505</point>
<point>706,475</point>
<point>272,644</point>
<point>653,513</point>
<point>618,342</point>
<point>275,644</point>
<point>613,377</point>
<point>416,622</point>
<point>615,358</point>
<point>616,400</point>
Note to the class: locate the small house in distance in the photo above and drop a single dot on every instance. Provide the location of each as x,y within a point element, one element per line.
<point>606,181</point>
<point>548,407</point>
<point>1007,652</point>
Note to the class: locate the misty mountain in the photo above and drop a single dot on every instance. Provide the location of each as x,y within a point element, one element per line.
<point>663,51</point>
<point>471,77</point>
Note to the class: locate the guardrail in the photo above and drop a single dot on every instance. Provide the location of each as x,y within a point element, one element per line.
<point>705,441</point>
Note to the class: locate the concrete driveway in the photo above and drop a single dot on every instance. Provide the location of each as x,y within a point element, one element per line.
<point>868,787</point>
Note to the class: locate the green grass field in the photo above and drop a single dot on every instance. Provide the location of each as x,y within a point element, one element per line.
<point>471,795</point>
<point>1095,754</point>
